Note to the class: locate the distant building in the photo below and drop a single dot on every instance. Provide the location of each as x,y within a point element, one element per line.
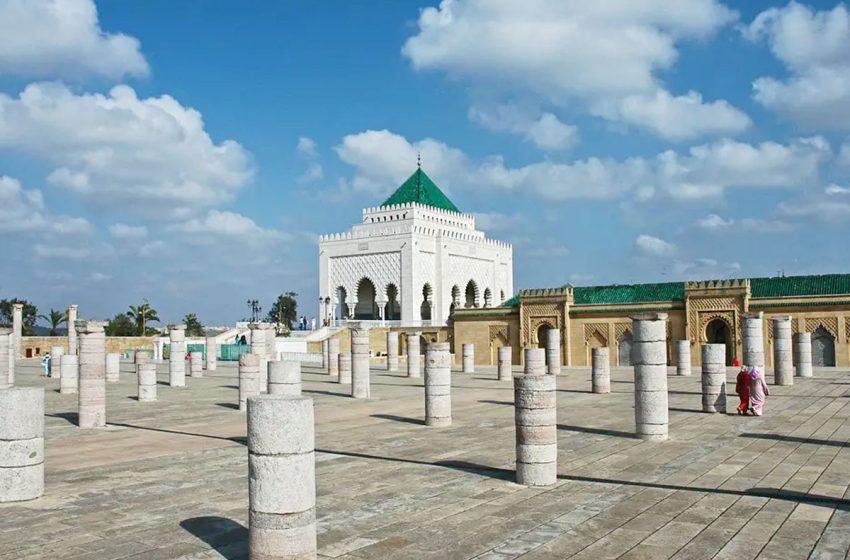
<point>411,261</point>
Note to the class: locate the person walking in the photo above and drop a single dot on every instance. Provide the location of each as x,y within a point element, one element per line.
<point>45,363</point>
<point>758,391</point>
<point>742,387</point>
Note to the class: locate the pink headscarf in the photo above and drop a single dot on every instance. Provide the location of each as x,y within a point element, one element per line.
<point>756,372</point>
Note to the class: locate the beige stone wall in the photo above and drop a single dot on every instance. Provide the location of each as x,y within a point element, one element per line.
<point>488,335</point>
<point>34,346</point>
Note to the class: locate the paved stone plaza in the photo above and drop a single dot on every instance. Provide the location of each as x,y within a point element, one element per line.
<point>168,479</point>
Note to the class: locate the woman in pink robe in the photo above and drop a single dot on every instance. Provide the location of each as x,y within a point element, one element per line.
<point>758,390</point>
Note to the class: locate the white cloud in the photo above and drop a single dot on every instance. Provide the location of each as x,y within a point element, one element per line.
<point>496,221</point>
<point>20,209</point>
<point>306,148</point>
<point>544,130</point>
<point>815,48</point>
<point>832,209</point>
<point>62,38</point>
<point>836,190</point>
<point>758,225</point>
<point>654,246</point>
<point>149,157</point>
<point>123,231</point>
<point>604,55</point>
<point>713,222</point>
<point>76,252</point>
<point>217,224</point>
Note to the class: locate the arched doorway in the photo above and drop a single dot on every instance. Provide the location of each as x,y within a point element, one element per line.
<point>717,331</point>
<point>393,309</point>
<point>624,349</point>
<point>341,312</point>
<point>488,298</point>
<point>542,334</point>
<point>823,348</point>
<point>366,307</point>
<point>471,294</point>
<point>425,307</point>
<point>498,341</point>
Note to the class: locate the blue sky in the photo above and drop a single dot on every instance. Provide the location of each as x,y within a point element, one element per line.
<point>189,153</point>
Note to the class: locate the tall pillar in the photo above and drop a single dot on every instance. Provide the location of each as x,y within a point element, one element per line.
<point>714,378</point>
<point>177,356</point>
<point>783,360</point>
<point>21,444</point>
<point>553,352</point>
<point>212,353</point>
<point>271,342</point>
<point>344,366</point>
<point>752,332</point>
<point>360,388</point>
<point>468,357</point>
<point>196,364</point>
<point>260,348</point>
<point>325,353</point>
<point>505,363</point>
<point>413,356</point>
<point>147,381</point>
<point>683,357</point>
<point>17,328</point>
<point>92,381</point>
<point>333,357</point>
<point>536,422</point>
<point>804,354</point>
<point>69,372</point>
<point>6,379</point>
<point>249,378</point>
<point>600,372</point>
<point>113,367</point>
<point>72,333</point>
<point>56,353</point>
<point>649,350</point>
<point>392,350</point>
<point>438,385</point>
<point>285,378</point>
<point>282,478</point>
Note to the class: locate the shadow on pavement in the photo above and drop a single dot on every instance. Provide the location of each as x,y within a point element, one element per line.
<point>225,536</point>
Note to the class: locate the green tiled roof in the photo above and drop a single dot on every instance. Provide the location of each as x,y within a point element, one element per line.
<point>790,286</point>
<point>629,293</point>
<point>421,189</point>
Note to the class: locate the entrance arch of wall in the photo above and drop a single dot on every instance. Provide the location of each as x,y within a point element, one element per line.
<point>393,309</point>
<point>471,294</point>
<point>718,330</point>
<point>367,307</point>
<point>823,348</point>
<point>624,349</point>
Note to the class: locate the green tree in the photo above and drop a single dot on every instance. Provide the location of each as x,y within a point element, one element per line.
<point>55,318</point>
<point>141,316</point>
<point>30,315</point>
<point>121,325</point>
<point>285,310</point>
<point>193,325</point>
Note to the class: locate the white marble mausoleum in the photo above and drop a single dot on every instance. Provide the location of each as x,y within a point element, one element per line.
<point>411,261</point>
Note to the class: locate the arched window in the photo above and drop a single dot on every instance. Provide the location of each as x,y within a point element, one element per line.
<point>425,306</point>
<point>471,295</point>
<point>393,309</point>
<point>366,307</point>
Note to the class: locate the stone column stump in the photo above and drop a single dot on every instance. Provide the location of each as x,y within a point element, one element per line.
<point>505,367</point>
<point>783,359</point>
<point>281,478</point>
<point>752,333</point>
<point>803,342</point>
<point>325,353</point>
<point>69,370</point>
<point>21,444</point>
<point>535,416</point>
<point>438,385</point>
<point>6,380</point>
<point>360,387</point>
<point>600,371</point>
<point>72,333</point>
<point>196,364</point>
<point>714,378</point>
<point>649,352</point>
<point>553,351</point>
<point>177,356</point>
<point>92,380</point>
<point>212,354</point>
<point>413,357</point>
<point>467,357</point>
<point>113,367</point>
<point>147,381</point>
<point>333,357</point>
<point>683,357</point>
<point>56,353</point>
<point>345,367</point>
<point>285,378</point>
<point>249,378</point>
<point>392,350</point>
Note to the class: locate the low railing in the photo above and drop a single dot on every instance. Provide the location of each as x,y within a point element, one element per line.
<point>379,323</point>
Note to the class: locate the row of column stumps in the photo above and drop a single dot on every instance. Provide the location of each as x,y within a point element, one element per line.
<point>535,415</point>
<point>649,353</point>
<point>600,370</point>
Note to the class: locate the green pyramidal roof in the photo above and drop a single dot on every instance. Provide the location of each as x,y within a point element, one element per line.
<point>421,189</point>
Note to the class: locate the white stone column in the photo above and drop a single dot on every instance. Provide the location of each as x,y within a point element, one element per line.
<point>803,343</point>
<point>196,364</point>
<point>10,360</point>
<point>344,367</point>
<point>783,359</point>
<point>177,356</point>
<point>325,354</point>
<point>438,385</point>
<point>6,376</point>
<point>92,380</point>
<point>468,357</point>
<point>159,349</point>
<point>147,381</point>
<point>72,333</point>
<point>21,444</point>
<point>285,378</point>
<point>282,478</point>
<point>649,350</point>
<point>536,422</point>
<point>249,378</point>
<point>69,371</point>
<point>413,356</point>
<point>683,357</point>
<point>752,332</point>
<point>333,357</point>
<point>113,367</point>
<point>56,353</point>
<point>260,348</point>
<point>17,329</point>
<point>392,350</point>
<point>505,356</point>
<point>271,341</point>
<point>212,353</point>
<point>714,378</point>
<point>600,371</point>
<point>360,387</point>
<point>553,352</point>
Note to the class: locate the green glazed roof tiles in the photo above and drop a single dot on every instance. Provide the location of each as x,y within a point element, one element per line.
<point>421,189</point>
<point>790,286</point>
<point>629,293</point>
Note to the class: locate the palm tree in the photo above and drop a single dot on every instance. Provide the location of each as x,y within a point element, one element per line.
<point>55,319</point>
<point>142,315</point>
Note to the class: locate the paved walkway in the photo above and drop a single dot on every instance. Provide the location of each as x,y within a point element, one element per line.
<point>169,479</point>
